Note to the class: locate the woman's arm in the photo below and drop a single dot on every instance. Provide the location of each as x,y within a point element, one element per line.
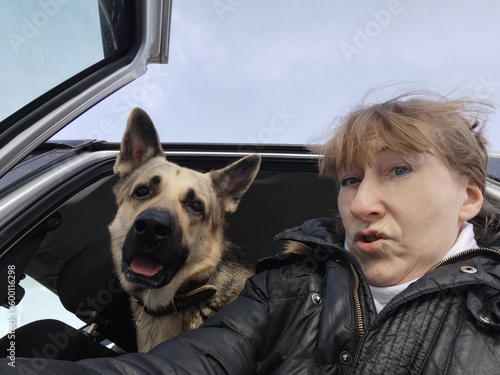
<point>228,343</point>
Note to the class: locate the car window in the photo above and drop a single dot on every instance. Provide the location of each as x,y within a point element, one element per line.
<point>279,72</point>
<point>45,43</point>
<point>38,303</point>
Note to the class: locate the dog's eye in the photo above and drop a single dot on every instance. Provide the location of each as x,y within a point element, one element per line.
<point>141,191</point>
<point>197,206</point>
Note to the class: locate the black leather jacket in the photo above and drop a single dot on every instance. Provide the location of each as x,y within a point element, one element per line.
<point>315,315</point>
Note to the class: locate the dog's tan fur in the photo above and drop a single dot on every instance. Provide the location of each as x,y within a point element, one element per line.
<point>210,258</point>
<point>292,247</point>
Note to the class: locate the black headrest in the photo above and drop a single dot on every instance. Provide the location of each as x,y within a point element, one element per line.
<point>88,287</point>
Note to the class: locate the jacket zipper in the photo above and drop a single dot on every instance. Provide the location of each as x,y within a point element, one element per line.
<point>357,303</point>
<point>466,252</point>
<point>359,315</point>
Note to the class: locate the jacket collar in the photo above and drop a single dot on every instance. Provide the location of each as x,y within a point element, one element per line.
<point>323,231</point>
<point>477,271</point>
<point>327,233</point>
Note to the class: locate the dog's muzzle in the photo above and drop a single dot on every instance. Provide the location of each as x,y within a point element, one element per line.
<point>152,251</point>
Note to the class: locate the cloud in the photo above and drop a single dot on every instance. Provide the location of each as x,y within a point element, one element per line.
<point>226,75</point>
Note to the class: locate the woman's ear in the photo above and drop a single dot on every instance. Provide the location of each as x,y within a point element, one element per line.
<point>474,201</point>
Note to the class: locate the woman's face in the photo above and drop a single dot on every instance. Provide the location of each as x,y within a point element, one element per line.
<point>403,213</point>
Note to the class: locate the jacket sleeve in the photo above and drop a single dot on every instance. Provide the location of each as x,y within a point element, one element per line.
<point>229,342</point>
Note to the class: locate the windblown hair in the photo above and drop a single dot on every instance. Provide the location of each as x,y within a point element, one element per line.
<point>451,129</point>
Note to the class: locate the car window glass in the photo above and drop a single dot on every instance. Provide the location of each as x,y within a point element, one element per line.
<point>278,72</point>
<point>46,42</point>
<point>38,303</point>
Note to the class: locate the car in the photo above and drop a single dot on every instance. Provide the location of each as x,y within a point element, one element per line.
<point>75,69</point>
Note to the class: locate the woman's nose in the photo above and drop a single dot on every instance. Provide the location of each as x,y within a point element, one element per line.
<point>367,202</point>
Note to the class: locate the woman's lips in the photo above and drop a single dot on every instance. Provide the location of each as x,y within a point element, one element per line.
<point>368,246</point>
<point>369,240</point>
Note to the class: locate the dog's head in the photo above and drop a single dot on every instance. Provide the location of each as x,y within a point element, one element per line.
<point>169,224</point>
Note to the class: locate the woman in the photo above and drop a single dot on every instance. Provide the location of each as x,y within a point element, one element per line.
<point>412,292</point>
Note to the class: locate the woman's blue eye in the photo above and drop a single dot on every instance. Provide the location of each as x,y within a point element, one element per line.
<point>400,171</point>
<point>350,181</point>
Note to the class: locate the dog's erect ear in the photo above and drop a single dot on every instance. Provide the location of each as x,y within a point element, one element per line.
<point>140,143</point>
<point>232,182</point>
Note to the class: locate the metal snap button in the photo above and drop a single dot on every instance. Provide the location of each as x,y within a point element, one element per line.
<point>316,298</point>
<point>484,319</point>
<point>345,358</point>
<point>468,269</point>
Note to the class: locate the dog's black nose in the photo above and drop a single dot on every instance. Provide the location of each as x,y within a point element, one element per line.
<point>153,225</point>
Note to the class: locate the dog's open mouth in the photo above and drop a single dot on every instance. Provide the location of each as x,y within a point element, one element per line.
<point>152,250</point>
<point>145,266</point>
<point>145,270</point>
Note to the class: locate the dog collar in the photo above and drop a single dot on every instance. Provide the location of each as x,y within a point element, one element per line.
<point>181,301</point>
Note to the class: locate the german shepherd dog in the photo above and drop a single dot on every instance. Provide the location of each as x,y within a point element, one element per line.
<point>167,239</point>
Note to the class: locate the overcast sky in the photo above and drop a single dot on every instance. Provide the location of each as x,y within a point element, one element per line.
<point>279,71</point>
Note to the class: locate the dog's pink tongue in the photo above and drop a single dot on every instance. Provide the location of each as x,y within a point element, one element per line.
<point>144,266</point>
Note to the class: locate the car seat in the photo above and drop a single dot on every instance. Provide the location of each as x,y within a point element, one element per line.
<point>87,287</point>
<point>52,339</point>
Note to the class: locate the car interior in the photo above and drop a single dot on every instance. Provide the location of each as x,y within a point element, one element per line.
<point>69,251</point>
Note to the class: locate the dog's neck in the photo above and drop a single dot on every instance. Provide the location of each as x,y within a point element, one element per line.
<point>190,294</point>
